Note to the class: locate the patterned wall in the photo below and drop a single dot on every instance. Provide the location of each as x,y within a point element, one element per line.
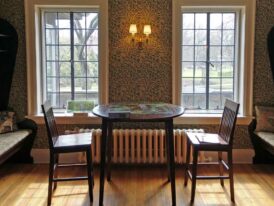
<point>143,75</point>
<point>140,75</point>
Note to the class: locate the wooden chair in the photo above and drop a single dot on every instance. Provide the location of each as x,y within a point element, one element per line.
<point>66,144</point>
<point>221,142</point>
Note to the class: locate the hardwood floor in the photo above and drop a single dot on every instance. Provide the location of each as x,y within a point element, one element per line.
<point>130,186</point>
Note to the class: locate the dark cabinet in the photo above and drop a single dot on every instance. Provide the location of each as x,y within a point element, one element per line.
<point>8,51</point>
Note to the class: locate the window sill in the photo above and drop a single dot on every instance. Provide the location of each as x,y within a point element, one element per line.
<point>63,118</point>
<point>187,119</point>
<point>208,119</point>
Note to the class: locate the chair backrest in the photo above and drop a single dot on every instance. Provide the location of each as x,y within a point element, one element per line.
<point>50,123</point>
<point>228,122</point>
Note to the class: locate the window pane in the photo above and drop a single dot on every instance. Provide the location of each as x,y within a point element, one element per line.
<point>200,69</point>
<point>226,95</point>
<point>215,53</point>
<point>92,53</point>
<point>65,84</point>
<point>80,84</point>
<point>188,53</point>
<point>92,20</point>
<point>63,20</point>
<point>93,69</point>
<point>214,85</point>
<point>80,96</point>
<point>51,68</point>
<point>215,21</point>
<point>215,37</point>
<point>200,53</point>
<point>51,36</point>
<point>79,20</point>
<point>199,101</point>
<point>80,69</point>
<point>188,21</point>
<point>64,53</point>
<point>228,37</point>
<point>229,21</point>
<point>228,53</point>
<point>51,53</point>
<point>79,53</point>
<point>93,96</point>
<point>187,70</point>
<point>227,85</point>
<point>187,100</point>
<point>65,69</point>
<point>200,37</point>
<point>215,101</point>
<point>92,37</point>
<point>200,20</point>
<point>215,69</point>
<point>52,84</point>
<point>227,69</point>
<point>79,36</point>
<point>200,85</point>
<point>64,97</point>
<point>64,36</point>
<point>187,85</point>
<point>51,20</point>
<point>188,37</point>
<point>92,85</point>
<point>54,99</point>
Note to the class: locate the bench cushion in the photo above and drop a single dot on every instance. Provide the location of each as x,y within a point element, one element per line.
<point>9,140</point>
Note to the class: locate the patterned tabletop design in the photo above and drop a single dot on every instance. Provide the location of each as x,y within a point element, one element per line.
<point>138,111</point>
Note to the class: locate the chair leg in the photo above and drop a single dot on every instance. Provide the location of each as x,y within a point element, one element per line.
<point>90,177</point>
<point>51,173</point>
<point>230,162</point>
<point>109,151</point>
<point>194,174</point>
<point>56,156</point>
<point>187,162</point>
<point>221,168</point>
<point>167,154</point>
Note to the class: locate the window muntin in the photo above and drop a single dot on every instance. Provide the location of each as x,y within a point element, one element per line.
<point>208,62</point>
<point>71,61</point>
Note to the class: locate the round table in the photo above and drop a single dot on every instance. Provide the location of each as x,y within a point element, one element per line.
<point>136,112</point>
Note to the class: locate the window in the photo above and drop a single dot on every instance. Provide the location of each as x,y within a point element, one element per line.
<point>212,54</point>
<point>208,59</point>
<point>70,57</point>
<point>67,52</point>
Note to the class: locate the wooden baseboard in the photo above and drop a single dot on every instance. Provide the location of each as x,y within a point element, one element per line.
<point>239,156</point>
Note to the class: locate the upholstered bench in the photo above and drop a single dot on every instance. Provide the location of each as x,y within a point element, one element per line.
<point>261,131</point>
<point>16,145</point>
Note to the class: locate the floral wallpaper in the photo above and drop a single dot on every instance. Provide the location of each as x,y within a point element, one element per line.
<point>143,75</point>
<point>134,74</point>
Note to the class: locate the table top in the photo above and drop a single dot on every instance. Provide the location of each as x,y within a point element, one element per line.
<point>138,111</point>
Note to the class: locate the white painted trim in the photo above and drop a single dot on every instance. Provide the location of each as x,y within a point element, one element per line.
<point>33,51</point>
<point>248,44</point>
<point>239,156</point>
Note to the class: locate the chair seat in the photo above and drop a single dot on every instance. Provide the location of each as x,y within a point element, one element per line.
<point>209,141</point>
<point>73,140</point>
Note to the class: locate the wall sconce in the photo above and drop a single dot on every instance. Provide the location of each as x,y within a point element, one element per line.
<point>139,39</point>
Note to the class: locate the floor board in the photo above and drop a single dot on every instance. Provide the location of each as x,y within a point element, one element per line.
<point>131,186</point>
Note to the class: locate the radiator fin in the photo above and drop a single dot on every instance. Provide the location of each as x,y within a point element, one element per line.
<point>141,146</point>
